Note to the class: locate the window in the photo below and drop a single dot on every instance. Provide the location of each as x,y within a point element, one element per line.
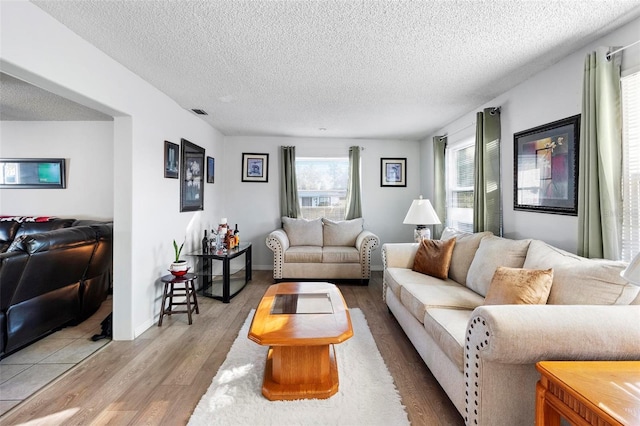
<point>322,187</point>
<point>630,166</point>
<point>459,171</point>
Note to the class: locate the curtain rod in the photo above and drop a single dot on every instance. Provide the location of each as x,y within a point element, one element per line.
<point>493,111</point>
<point>610,54</point>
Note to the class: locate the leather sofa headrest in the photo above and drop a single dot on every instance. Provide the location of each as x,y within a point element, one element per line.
<point>59,238</point>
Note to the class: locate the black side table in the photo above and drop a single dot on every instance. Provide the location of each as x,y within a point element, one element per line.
<point>179,286</point>
<point>227,291</point>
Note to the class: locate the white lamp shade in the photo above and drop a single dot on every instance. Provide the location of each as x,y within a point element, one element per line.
<point>421,212</point>
<point>632,273</point>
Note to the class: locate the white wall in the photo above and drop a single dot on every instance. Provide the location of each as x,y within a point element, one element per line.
<point>255,207</point>
<point>38,49</point>
<point>88,150</point>
<point>551,95</point>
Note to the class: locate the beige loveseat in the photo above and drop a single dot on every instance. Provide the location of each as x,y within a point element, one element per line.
<point>484,356</point>
<point>322,249</point>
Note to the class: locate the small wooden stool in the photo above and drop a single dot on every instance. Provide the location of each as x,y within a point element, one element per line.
<point>170,290</point>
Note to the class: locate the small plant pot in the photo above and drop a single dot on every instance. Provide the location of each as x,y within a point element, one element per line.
<point>179,268</point>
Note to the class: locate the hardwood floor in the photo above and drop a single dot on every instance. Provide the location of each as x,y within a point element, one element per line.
<point>160,377</point>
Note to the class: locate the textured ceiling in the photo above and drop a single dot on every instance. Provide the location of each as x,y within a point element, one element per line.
<point>20,101</point>
<point>369,69</point>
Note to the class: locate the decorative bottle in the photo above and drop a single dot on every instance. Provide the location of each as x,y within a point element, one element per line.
<point>236,235</point>
<point>205,243</point>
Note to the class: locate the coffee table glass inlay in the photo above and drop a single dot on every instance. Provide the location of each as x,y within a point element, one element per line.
<point>300,322</point>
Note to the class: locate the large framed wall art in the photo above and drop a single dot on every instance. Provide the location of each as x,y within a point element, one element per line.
<point>33,173</point>
<point>546,167</point>
<point>191,177</point>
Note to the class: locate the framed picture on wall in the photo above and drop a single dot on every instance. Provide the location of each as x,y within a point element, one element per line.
<point>393,172</point>
<point>211,162</point>
<point>171,160</point>
<point>40,173</point>
<point>546,167</point>
<point>191,177</point>
<point>255,167</point>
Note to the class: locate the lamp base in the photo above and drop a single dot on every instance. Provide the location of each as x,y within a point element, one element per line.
<point>421,233</point>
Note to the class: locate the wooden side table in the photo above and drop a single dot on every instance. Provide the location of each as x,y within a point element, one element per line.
<point>588,392</point>
<point>182,287</point>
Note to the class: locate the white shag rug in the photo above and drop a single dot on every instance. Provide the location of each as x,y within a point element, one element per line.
<point>366,393</point>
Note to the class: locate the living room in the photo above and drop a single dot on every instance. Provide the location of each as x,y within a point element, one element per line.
<point>121,166</point>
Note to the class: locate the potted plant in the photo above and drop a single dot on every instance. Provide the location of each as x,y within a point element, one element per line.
<point>178,267</point>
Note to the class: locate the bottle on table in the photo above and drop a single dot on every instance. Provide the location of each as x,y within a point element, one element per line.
<point>205,243</point>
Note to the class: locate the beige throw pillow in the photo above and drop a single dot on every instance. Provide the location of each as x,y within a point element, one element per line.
<point>342,233</point>
<point>493,252</point>
<point>434,257</point>
<point>515,286</point>
<point>463,252</point>
<point>303,232</point>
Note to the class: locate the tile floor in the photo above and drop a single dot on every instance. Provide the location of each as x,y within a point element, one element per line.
<point>25,372</point>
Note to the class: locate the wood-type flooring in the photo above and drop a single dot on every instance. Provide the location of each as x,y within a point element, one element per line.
<point>158,378</point>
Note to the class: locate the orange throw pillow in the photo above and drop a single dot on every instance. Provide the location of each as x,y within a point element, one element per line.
<point>515,286</point>
<point>434,257</point>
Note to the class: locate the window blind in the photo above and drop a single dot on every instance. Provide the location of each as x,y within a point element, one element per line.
<point>459,165</point>
<point>630,236</point>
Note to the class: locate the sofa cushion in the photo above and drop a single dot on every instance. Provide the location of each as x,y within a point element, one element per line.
<point>463,252</point>
<point>434,257</point>
<point>303,232</point>
<point>515,286</point>
<point>448,327</point>
<point>395,276</point>
<point>581,281</point>
<point>340,255</point>
<point>493,252</point>
<point>303,254</point>
<point>341,233</point>
<point>425,291</point>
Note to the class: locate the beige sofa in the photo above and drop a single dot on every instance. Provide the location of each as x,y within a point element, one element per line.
<point>322,249</point>
<point>484,355</point>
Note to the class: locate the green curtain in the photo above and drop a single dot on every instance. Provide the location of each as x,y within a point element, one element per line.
<point>600,164</point>
<point>288,184</point>
<point>487,206</point>
<point>353,208</point>
<point>439,183</point>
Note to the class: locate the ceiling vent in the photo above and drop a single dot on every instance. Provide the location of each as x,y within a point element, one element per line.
<point>199,111</point>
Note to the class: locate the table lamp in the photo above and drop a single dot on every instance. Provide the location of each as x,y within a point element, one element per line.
<point>632,273</point>
<point>421,214</point>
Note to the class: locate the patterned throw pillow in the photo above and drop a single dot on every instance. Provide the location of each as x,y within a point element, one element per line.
<point>434,257</point>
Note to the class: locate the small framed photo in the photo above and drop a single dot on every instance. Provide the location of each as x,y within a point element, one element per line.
<point>171,160</point>
<point>546,168</point>
<point>393,172</point>
<point>211,162</point>
<point>255,167</point>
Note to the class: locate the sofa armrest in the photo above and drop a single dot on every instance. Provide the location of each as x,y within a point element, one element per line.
<point>399,255</point>
<point>278,242</point>
<point>503,343</point>
<point>366,242</point>
<point>523,334</point>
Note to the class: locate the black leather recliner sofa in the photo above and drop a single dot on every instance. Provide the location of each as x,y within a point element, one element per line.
<point>52,274</point>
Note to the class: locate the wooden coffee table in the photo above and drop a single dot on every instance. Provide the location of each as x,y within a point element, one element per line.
<point>300,322</point>
<point>588,392</point>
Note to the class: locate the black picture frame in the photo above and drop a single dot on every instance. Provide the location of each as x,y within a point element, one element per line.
<point>393,172</point>
<point>191,177</point>
<point>255,167</point>
<point>545,168</point>
<point>171,160</point>
<point>33,173</point>
<point>211,166</point>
